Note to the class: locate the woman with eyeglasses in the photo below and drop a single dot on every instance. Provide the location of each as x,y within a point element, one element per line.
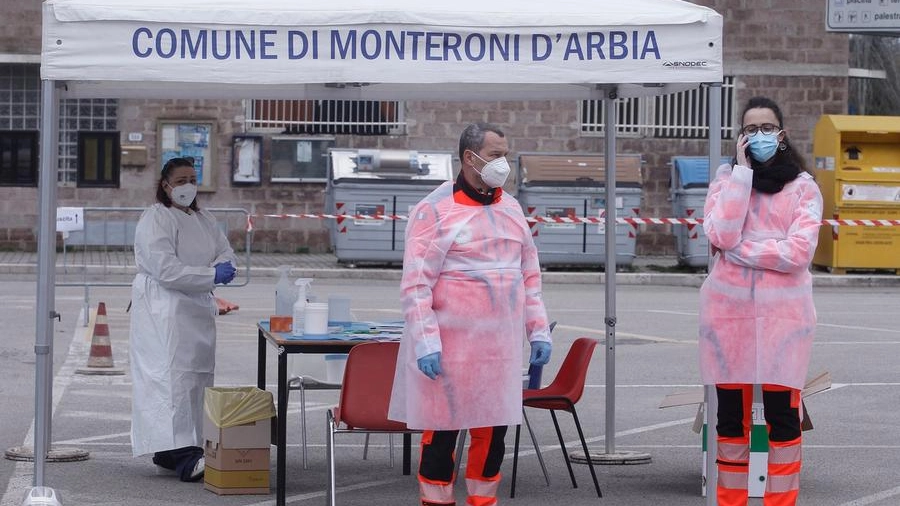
<point>757,320</point>
<point>181,255</point>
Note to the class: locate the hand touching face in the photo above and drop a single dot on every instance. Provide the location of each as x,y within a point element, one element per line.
<point>743,142</point>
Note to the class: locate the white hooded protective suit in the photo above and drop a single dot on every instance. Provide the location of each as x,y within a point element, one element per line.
<point>471,289</point>
<point>173,332</point>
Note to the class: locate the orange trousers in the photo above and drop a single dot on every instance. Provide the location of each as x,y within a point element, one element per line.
<point>437,466</point>
<point>782,411</point>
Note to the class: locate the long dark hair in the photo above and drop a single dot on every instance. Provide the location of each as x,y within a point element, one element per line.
<point>783,156</point>
<point>161,196</point>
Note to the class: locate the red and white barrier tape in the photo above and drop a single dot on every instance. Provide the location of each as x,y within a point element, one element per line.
<point>577,219</point>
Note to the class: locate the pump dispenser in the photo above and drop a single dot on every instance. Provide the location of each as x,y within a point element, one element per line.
<point>302,286</point>
<point>285,292</point>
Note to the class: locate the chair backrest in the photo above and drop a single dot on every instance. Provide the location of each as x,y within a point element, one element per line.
<point>366,391</point>
<point>569,381</point>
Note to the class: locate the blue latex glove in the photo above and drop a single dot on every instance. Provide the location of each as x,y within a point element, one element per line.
<point>224,273</point>
<point>430,365</point>
<point>540,353</point>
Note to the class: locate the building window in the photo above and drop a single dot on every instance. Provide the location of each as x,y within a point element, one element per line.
<point>98,159</point>
<point>18,158</point>
<point>78,116</point>
<point>681,115</point>
<point>20,111</point>
<point>330,117</point>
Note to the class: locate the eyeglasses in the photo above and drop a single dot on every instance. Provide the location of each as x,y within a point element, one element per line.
<point>765,128</point>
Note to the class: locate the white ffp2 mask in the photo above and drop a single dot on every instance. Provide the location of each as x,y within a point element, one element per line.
<point>494,172</point>
<point>184,194</point>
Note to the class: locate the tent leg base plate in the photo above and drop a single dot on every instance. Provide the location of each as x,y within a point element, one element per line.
<point>26,454</point>
<point>611,459</point>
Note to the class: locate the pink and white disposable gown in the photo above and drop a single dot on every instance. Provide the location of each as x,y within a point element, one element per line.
<point>757,317</point>
<point>471,289</point>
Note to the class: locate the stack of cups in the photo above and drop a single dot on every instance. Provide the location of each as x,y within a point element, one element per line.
<point>339,311</point>
<point>315,319</point>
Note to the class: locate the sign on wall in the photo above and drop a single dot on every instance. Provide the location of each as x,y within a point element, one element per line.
<point>874,17</point>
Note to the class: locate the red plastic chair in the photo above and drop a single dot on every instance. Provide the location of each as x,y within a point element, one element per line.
<point>365,396</point>
<point>562,395</point>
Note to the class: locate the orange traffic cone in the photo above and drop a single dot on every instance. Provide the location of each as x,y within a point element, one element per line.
<point>100,360</point>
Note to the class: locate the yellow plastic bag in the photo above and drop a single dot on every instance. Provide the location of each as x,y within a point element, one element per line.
<point>232,406</point>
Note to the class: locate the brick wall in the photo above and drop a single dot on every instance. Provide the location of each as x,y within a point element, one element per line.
<point>20,30</point>
<point>782,52</point>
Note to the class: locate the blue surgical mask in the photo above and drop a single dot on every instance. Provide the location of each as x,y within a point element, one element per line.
<point>763,146</point>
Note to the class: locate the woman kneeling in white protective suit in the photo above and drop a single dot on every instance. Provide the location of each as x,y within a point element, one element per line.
<point>181,255</point>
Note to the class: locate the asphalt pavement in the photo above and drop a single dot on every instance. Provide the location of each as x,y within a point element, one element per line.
<point>849,458</point>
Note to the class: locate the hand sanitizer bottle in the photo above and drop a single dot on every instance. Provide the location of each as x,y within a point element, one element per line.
<point>300,305</point>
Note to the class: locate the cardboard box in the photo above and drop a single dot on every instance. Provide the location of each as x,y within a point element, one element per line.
<point>235,491</point>
<point>236,482</point>
<point>235,459</point>
<point>759,438</point>
<point>249,435</point>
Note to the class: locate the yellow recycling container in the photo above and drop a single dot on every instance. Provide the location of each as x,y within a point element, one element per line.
<point>857,167</point>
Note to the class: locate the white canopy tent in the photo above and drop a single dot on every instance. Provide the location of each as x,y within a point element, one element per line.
<point>467,50</point>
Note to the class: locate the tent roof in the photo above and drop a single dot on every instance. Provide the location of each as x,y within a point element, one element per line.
<point>407,49</point>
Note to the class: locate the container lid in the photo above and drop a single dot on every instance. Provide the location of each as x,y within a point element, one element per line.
<point>390,165</point>
<point>572,169</point>
<point>692,171</point>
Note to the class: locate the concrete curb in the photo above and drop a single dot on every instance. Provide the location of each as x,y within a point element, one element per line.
<point>99,274</point>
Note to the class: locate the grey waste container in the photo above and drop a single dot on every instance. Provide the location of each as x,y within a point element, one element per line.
<point>574,185</point>
<point>378,182</point>
<point>689,184</point>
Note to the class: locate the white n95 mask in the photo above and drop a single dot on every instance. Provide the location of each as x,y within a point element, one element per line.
<point>494,172</point>
<point>184,194</point>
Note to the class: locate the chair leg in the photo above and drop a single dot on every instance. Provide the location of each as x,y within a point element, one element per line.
<point>390,448</point>
<point>303,423</point>
<point>562,446</point>
<point>329,455</point>
<point>366,447</point>
<point>537,448</point>
<point>460,446</point>
<point>586,454</point>
<point>512,485</point>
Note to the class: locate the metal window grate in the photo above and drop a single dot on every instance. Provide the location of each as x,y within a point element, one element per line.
<point>359,117</point>
<point>681,115</point>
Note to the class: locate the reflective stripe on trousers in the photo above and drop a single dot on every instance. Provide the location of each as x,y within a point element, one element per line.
<point>437,466</point>
<point>781,406</point>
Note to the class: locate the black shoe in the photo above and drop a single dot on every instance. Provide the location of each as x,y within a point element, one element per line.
<point>193,469</point>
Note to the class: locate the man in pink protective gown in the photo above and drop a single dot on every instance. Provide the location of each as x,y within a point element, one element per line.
<point>762,217</point>
<point>471,294</point>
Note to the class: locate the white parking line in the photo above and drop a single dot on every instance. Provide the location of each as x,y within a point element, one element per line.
<point>854,327</point>
<point>871,499</point>
<point>21,479</point>
<point>602,332</point>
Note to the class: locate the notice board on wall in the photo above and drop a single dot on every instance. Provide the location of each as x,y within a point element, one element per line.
<point>190,139</point>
